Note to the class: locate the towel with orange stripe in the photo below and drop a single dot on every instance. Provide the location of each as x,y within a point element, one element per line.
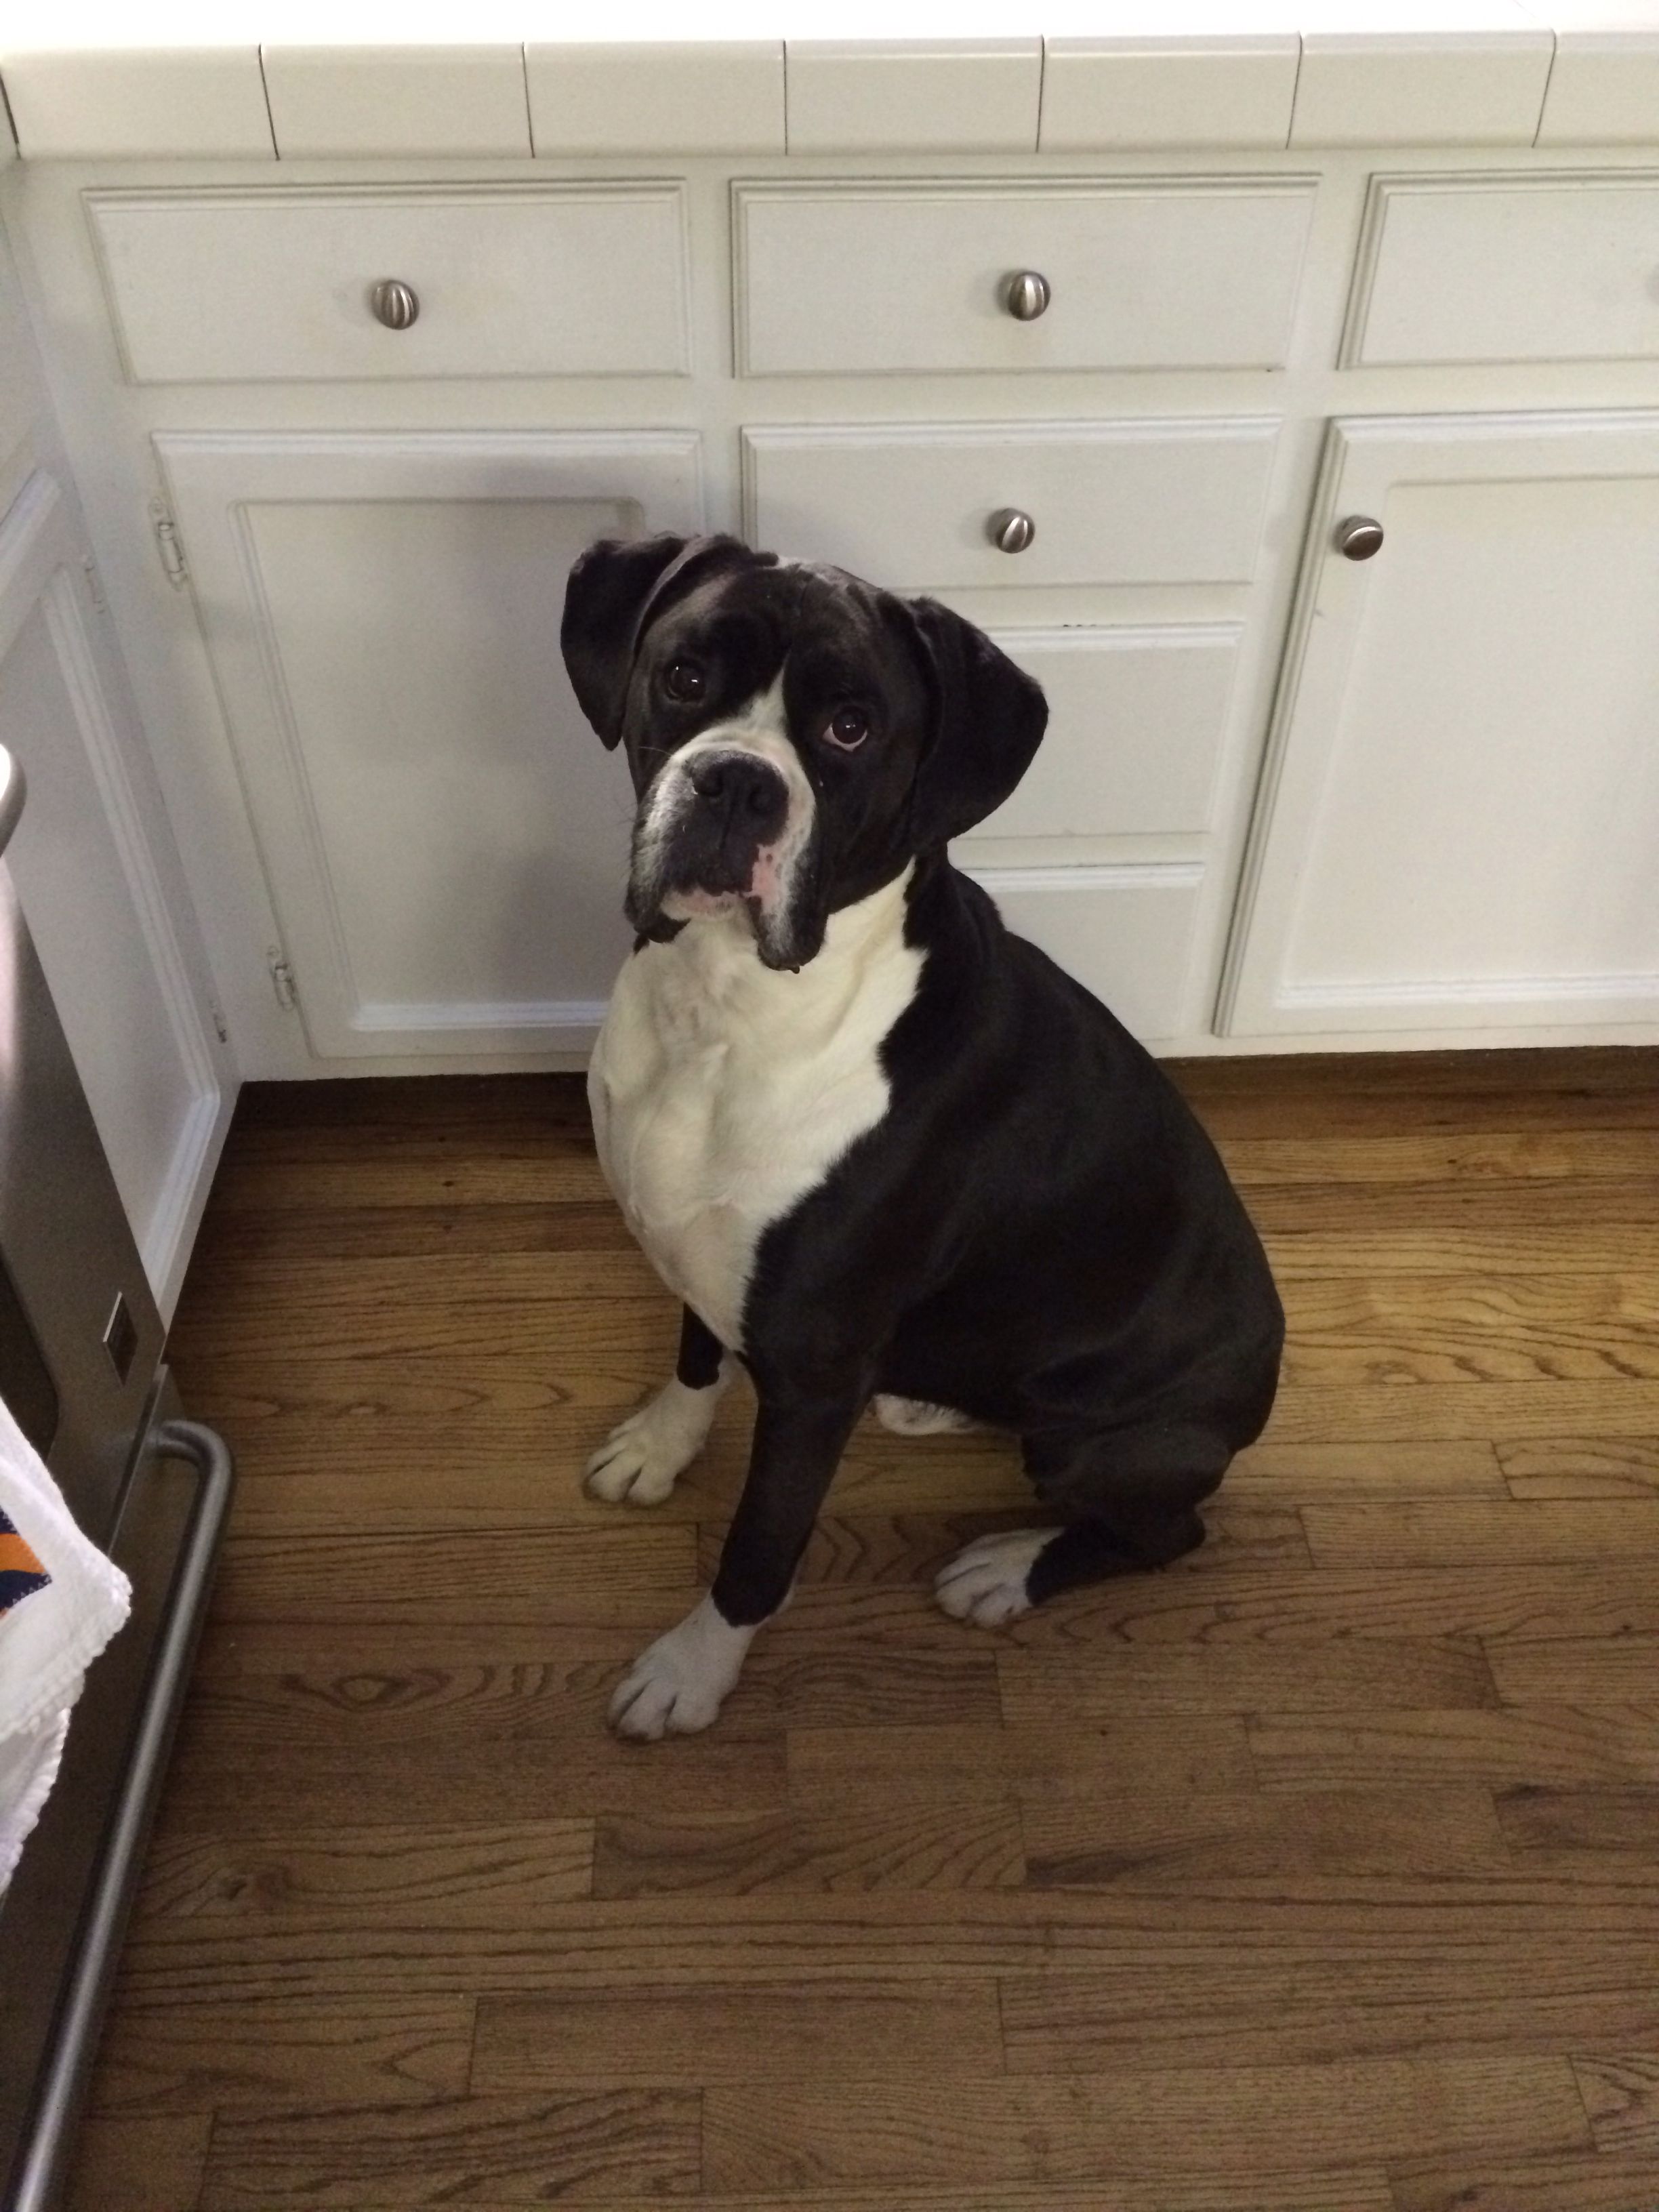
<point>61,1601</point>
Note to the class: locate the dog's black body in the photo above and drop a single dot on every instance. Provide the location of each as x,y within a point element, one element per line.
<point>1037,1231</point>
<point>1040,1234</point>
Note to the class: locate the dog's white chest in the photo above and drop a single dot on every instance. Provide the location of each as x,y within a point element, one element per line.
<point>723,1092</point>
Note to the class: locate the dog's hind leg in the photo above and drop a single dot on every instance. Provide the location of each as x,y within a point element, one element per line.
<point>641,1459</point>
<point>1131,1501</point>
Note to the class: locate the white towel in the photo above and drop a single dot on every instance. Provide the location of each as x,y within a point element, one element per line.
<point>72,1600</point>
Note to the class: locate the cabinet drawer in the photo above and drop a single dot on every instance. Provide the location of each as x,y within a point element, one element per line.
<point>1507,269</point>
<point>1135,724</point>
<point>538,281</point>
<point>911,506</point>
<point>1125,933</point>
<point>860,281</point>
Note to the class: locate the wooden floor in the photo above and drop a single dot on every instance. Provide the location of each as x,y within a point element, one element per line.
<point>1318,1874</point>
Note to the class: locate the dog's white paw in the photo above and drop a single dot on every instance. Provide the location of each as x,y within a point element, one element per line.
<point>915,1417</point>
<point>640,1459</point>
<point>986,1581</point>
<point>678,1684</point>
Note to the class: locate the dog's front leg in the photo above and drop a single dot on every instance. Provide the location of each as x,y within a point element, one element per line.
<point>678,1684</point>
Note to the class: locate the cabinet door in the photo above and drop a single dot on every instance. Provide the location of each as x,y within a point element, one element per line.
<point>444,836</point>
<point>87,884</point>
<point>1459,822</point>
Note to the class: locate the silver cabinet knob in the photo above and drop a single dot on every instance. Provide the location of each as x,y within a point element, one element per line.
<point>1009,531</point>
<point>1026,294</point>
<point>1358,537</point>
<point>394,303</point>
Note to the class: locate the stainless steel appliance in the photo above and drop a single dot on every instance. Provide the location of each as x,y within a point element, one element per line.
<point>80,1367</point>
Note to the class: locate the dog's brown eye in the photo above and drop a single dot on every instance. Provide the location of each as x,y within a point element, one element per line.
<point>686,681</point>
<point>848,729</point>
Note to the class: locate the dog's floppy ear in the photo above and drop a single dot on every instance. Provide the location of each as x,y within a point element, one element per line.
<point>988,720</point>
<point>615,587</point>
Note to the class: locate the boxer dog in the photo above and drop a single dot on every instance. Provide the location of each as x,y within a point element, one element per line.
<point>879,1147</point>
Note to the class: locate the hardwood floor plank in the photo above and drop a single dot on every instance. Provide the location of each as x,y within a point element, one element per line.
<point>1351,2190</point>
<point>872,1767</point>
<point>1446,1411</point>
<point>139,2161</point>
<point>248,2052</point>
<point>387,1871</point>
<point>509,2150</point>
<point>345,1468</point>
<point>607,1574</point>
<point>1451,1605</point>
<point>1580,1467</point>
<point>1488,1157</point>
<point>1296,1473</point>
<point>1621,2096</point>
<point>1095,2128</point>
<point>1274,2010</point>
<point>529,1307</point>
<point>1537,1743</point>
<point>1179,1678</point>
<point>418,1689</point>
<point>1432,1238</point>
<point>1433,1532</point>
<point>1397,1331</point>
<point>735,1855</point>
<point>1559,2181</point>
<point>1598,1818</point>
<point>739,2035</point>
<point>1458,1208</point>
<point>1162,1842</point>
<point>1578,1670</point>
<point>1510,1933</point>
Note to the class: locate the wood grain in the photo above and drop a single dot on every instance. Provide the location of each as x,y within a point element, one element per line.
<point>1318,1874</point>
<point>252,2052</point>
<point>1176,1842</point>
<point>1177,1678</point>
<point>510,2150</point>
<point>1277,2009</point>
<point>738,2035</point>
<point>1092,2126</point>
<point>1564,2181</point>
<point>734,1855</point>
<point>1621,2096</point>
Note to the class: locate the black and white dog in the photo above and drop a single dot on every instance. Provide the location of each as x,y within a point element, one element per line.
<point>878,1146</point>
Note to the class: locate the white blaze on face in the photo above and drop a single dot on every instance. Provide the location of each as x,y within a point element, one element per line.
<point>760,732</point>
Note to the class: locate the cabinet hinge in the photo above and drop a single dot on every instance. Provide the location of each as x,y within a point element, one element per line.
<point>171,549</point>
<point>282,979</point>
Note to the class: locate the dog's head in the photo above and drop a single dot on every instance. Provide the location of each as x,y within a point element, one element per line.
<point>795,736</point>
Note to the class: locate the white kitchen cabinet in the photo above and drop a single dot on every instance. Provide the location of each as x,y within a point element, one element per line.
<point>1459,825</point>
<point>442,834</point>
<point>88,882</point>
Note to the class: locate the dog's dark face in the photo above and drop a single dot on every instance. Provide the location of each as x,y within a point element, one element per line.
<point>796,737</point>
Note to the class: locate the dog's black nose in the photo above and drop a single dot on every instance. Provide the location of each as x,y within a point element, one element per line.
<point>739,781</point>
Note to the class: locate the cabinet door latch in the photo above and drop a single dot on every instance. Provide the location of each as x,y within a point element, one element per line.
<point>282,979</point>
<point>172,550</point>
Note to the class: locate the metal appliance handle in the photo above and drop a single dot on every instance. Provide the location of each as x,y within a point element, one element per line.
<point>34,2185</point>
<point>11,795</point>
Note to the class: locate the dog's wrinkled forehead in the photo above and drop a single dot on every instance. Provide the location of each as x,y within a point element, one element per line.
<point>829,635</point>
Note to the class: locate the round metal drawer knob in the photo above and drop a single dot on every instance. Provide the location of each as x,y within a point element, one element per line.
<point>1358,537</point>
<point>394,303</point>
<point>1009,531</point>
<point>1027,295</point>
